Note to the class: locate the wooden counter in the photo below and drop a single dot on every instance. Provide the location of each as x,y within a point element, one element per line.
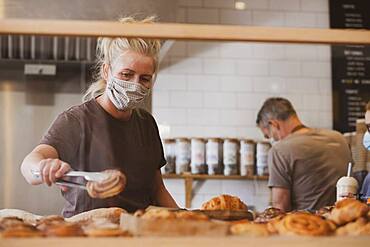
<point>191,241</point>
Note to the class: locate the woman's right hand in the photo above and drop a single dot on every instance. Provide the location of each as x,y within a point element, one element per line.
<point>53,169</point>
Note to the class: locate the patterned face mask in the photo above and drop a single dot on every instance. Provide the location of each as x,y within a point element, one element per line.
<point>125,94</point>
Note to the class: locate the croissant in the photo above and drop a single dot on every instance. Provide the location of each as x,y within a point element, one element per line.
<point>224,202</point>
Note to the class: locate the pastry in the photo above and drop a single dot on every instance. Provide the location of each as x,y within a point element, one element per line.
<point>159,213</point>
<point>24,231</point>
<point>360,227</point>
<point>11,222</point>
<point>104,228</point>
<point>113,185</point>
<point>27,217</point>
<point>250,229</point>
<point>112,214</point>
<point>324,212</point>
<point>302,224</point>
<point>268,215</point>
<point>348,210</point>
<point>48,221</point>
<point>188,215</point>
<point>66,229</point>
<point>224,202</point>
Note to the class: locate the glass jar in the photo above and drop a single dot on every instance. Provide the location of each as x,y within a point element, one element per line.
<point>247,151</point>
<point>263,148</point>
<point>183,155</point>
<point>230,157</point>
<point>198,151</point>
<point>170,154</point>
<point>214,156</point>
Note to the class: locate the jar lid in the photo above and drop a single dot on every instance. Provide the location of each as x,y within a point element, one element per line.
<point>182,139</point>
<point>248,141</point>
<point>214,139</point>
<point>231,139</point>
<point>169,140</point>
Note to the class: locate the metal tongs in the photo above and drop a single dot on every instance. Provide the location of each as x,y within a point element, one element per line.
<point>88,176</point>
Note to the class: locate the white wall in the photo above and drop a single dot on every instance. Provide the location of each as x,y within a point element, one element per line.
<point>21,128</point>
<point>215,89</point>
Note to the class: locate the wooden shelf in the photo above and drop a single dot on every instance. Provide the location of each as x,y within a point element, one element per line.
<point>205,176</point>
<point>200,178</point>
<point>184,31</point>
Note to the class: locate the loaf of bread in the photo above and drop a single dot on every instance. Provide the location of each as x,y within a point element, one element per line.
<point>224,202</point>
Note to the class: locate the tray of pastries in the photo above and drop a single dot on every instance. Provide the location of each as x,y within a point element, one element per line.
<point>347,217</point>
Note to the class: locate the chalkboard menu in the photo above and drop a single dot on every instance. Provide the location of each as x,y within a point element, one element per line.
<point>350,65</point>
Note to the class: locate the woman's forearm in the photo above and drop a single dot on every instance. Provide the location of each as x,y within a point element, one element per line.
<point>32,162</point>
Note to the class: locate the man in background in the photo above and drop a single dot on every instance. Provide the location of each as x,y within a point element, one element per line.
<point>304,163</point>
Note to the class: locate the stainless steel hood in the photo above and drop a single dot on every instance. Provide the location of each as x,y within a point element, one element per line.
<point>22,47</point>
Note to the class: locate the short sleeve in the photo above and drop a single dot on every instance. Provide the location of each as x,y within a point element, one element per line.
<point>279,172</point>
<point>64,135</point>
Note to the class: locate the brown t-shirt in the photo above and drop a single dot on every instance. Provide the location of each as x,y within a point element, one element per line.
<point>309,165</point>
<point>90,139</point>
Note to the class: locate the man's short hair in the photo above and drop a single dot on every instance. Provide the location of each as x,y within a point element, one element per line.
<point>368,106</point>
<point>275,108</point>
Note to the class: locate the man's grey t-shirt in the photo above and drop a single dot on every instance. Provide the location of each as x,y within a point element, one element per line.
<point>90,139</point>
<point>309,165</point>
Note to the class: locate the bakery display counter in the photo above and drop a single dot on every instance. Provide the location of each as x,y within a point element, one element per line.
<point>278,241</point>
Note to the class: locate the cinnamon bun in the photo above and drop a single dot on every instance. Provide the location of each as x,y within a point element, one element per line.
<point>113,185</point>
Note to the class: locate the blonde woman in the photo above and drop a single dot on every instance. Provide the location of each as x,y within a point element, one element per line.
<point>108,131</point>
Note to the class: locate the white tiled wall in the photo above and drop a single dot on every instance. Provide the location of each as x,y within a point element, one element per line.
<point>215,89</point>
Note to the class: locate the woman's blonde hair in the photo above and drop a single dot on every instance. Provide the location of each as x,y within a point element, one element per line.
<point>109,48</point>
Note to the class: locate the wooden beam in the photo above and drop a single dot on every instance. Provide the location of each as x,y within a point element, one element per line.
<point>184,31</point>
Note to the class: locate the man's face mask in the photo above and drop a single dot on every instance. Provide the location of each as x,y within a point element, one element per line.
<point>125,94</point>
<point>366,140</point>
